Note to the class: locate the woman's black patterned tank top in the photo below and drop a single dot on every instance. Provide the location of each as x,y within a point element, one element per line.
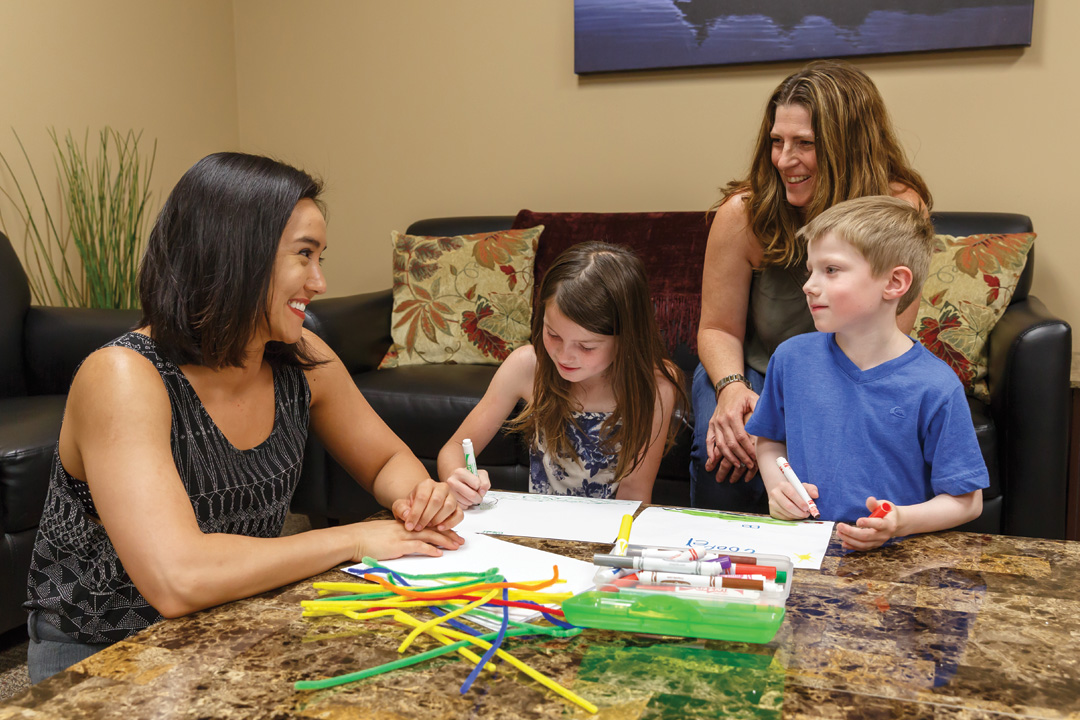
<point>78,584</point>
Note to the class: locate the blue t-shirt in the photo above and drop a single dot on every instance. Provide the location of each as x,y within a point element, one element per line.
<point>900,431</point>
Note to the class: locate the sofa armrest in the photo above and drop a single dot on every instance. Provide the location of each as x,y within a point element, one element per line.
<point>356,327</point>
<point>1030,355</point>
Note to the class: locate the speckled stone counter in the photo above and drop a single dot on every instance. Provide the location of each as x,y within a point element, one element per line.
<point>950,625</point>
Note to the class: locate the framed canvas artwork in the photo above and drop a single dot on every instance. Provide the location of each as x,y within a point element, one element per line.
<point>615,35</point>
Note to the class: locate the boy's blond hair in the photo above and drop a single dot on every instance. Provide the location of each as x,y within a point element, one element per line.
<point>887,231</point>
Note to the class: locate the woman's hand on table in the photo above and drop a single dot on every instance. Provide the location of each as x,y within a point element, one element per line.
<point>730,450</point>
<point>869,532</point>
<point>467,488</point>
<point>430,505</point>
<point>388,539</point>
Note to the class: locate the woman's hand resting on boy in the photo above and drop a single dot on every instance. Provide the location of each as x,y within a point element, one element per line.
<point>869,532</point>
<point>467,488</point>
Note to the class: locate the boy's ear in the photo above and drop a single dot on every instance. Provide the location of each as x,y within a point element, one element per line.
<point>898,282</point>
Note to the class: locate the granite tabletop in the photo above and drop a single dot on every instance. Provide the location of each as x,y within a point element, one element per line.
<point>948,625</point>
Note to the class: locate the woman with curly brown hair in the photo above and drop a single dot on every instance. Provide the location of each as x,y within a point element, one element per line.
<point>826,137</point>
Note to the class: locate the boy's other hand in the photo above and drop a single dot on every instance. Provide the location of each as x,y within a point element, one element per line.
<point>785,503</point>
<point>868,532</point>
<point>430,505</point>
<point>468,489</point>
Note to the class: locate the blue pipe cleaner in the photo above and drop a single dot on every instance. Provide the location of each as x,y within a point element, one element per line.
<point>491,650</point>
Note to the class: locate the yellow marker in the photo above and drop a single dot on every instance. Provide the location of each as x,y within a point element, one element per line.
<point>622,542</point>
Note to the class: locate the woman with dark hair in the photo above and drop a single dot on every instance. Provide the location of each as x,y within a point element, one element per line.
<point>825,137</point>
<point>182,440</point>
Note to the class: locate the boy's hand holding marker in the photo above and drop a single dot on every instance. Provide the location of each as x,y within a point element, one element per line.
<point>792,500</point>
<point>870,532</point>
<point>468,484</point>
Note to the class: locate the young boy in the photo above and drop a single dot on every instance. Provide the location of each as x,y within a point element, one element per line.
<point>860,408</point>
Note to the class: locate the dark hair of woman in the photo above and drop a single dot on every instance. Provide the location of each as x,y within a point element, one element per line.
<point>205,279</point>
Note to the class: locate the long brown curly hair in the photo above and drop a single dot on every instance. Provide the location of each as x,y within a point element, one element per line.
<point>603,288</point>
<point>857,155</point>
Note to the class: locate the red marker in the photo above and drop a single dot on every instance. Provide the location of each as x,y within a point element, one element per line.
<point>882,510</point>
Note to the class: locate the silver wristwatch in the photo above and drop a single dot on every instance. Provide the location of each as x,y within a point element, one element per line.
<point>725,381</point>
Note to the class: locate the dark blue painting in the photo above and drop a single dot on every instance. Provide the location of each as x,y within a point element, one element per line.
<point>611,35</point>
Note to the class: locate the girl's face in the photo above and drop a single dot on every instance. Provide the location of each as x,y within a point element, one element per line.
<point>793,153</point>
<point>579,355</point>
<point>297,275</point>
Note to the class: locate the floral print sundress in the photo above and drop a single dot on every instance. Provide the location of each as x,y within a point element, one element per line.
<point>591,475</point>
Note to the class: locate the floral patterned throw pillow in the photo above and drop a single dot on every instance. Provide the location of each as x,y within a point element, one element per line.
<point>970,283</point>
<point>464,299</point>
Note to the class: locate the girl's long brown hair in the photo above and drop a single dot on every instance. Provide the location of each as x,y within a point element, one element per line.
<point>857,155</point>
<point>602,288</point>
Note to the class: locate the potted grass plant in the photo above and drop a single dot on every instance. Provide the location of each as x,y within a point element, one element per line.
<point>86,251</point>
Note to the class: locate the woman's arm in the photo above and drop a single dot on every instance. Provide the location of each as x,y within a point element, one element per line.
<point>116,436</point>
<point>638,484</point>
<point>512,382</point>
<point>730,255</point>
<point>370,451</point>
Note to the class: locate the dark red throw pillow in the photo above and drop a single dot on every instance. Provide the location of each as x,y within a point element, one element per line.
<point>670,244</point>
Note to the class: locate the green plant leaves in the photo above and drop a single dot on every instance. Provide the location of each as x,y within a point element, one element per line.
<point>88,251</point>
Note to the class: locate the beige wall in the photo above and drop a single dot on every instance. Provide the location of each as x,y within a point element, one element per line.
<point>419,108</point>
<point>416,109</point>
<point>165,67</point>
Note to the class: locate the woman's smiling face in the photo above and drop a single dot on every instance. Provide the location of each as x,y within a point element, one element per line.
<point>297,273</point>
<point>793,153</point>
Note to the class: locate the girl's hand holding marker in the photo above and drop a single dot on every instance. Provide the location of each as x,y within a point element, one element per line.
<point>469,484</point>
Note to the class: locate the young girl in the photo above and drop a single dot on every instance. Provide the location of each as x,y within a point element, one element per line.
<point>598,388</point>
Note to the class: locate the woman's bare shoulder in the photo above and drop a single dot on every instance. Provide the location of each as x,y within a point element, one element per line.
<point>117,382</point>
<point>731,228</point>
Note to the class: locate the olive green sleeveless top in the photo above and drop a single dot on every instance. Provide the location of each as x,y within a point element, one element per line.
<point>777,311</point>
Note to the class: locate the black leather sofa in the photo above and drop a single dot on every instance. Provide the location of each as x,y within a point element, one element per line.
<point>1023,431</point>
<point>40,348</point>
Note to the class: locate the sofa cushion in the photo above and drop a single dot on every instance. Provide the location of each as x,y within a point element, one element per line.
<point>462,299</point>
<point>970,283</point>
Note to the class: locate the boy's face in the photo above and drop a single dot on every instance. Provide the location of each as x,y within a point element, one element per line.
<point>842,292</point>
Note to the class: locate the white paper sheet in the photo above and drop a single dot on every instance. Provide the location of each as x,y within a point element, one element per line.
<point>558,517</point>
<point>805,542</point>
<point>516,563</point>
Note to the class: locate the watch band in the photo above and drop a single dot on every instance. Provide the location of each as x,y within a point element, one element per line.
<point>725,381</point>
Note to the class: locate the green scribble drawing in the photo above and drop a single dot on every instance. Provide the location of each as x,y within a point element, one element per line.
<point>756,519</point>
